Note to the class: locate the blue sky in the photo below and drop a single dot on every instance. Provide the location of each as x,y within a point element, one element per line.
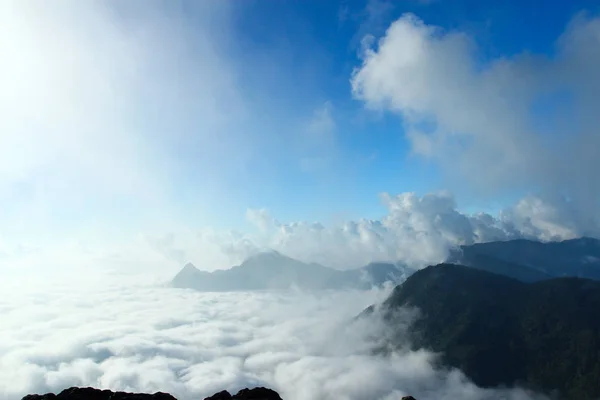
<point>314,45</point>
<point>127,117</point>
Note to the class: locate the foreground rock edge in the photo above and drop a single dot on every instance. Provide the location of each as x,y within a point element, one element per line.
<point>88,393</point>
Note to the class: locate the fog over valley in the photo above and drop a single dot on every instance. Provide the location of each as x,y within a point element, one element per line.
<point>350,200</point>
<point>144,338</point>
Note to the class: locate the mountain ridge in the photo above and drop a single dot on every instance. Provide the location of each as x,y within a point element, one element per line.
<point>522,259</point>
<point>273,270</point>
<point>530,260</point>
<point>498,330</point>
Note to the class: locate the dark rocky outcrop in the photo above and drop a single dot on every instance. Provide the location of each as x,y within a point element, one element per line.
<point>88,393</point>
<point>259,393</point>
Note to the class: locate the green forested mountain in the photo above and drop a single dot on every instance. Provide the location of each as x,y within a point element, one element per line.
<point>500,331</point>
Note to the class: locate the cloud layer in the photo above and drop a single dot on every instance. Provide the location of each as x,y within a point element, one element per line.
<point>519,123</point>
<point>144,338</point>
<point>416,230</point>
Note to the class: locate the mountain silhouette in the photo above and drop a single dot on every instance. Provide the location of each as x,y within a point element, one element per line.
<point>273,270</point>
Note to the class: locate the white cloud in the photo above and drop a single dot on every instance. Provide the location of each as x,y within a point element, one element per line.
<point>105,107</point>
<point>417,230</point>
<point>147,339</point>
<point>511,124</point>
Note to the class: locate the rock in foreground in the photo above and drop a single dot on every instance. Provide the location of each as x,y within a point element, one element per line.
<point>259,393</point>
<point>76,393</point>
<point>88,393</point>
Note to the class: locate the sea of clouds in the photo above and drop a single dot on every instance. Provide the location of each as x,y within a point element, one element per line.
<point>71,148</point>
<point>150,338</point>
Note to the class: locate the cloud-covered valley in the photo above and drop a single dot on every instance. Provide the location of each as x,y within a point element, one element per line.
<point>125,134</point>
<point>148,338</point>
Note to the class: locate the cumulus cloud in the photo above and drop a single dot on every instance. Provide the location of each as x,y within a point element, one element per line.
<point>416,230</point>
<point>513,124</point>
<point>143,338</point>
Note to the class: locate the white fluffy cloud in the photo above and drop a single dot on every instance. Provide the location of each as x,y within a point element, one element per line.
<point>417,230</point>
<point>142,338</point>
<point>524,122</point>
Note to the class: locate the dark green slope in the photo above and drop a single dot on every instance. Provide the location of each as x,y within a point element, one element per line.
<point>500,331</point>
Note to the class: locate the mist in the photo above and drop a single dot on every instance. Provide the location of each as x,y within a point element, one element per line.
<point>146,338</point>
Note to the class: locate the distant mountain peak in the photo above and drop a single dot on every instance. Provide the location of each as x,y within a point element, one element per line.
<point>189,266</point>
<point>188,272</point>
<point>274,270</point>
